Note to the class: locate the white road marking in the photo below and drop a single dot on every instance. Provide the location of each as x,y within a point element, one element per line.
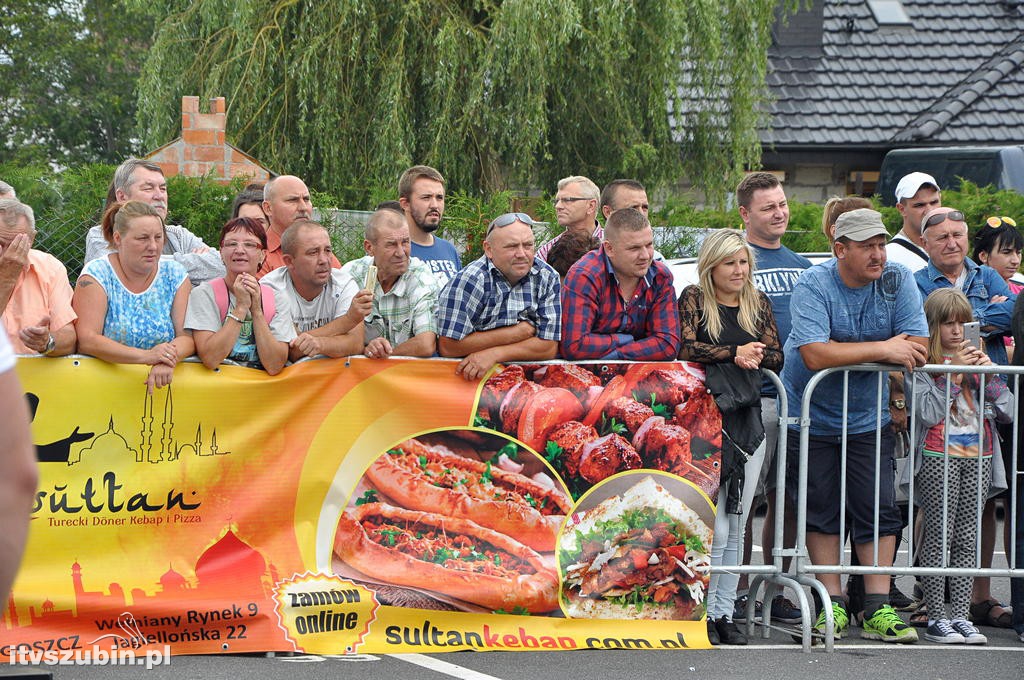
<point>435,664</point>
<point>317,658</point>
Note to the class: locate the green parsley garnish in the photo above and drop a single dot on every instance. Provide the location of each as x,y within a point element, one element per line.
<point>369,496</point>
<point>509,450</point>
<point>389,534</point>
<point>694,543</point>
<point>479,421</point>
<point>611,426</point>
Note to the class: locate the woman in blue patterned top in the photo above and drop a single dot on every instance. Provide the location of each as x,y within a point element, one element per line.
<point>131,304</point>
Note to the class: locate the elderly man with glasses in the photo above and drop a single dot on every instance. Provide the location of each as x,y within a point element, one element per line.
<point>503,306</point>
<point>576,205</point>
<point>944,235</point>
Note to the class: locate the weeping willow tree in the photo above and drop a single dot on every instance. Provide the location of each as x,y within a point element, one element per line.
<point>494,93</point>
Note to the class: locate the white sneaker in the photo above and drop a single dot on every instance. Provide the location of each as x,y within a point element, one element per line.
<point>942,631</point>
<point>971,635</point>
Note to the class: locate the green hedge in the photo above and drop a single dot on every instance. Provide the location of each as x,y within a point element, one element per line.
<point>68,202</point>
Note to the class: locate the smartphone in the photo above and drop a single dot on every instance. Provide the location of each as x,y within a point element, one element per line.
<point>371,278</point>
<point>972,334</point>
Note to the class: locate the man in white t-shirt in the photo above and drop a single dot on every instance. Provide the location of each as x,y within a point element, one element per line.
<point>326,304</point>
<point>916,194</point>
<point>18,461</point>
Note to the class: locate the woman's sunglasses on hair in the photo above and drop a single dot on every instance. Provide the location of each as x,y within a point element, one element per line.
<point>996,222</point>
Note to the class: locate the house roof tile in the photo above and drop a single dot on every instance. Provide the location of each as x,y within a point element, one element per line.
<point>954,76</point>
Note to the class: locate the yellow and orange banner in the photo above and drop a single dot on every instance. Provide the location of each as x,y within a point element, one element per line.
<point>371,506</point>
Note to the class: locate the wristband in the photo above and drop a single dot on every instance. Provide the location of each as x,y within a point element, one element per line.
<point>232,316</point>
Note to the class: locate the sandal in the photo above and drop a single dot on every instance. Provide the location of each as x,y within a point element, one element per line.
<point>919,618</point>
<point>981,614</point>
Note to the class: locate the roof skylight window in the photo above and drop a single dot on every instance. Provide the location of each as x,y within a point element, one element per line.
<point>889,12</point>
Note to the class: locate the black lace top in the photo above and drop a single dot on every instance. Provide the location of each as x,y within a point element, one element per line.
<point>698,346</point>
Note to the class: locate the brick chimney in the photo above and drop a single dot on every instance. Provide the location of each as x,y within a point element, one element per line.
<point>202,150</point>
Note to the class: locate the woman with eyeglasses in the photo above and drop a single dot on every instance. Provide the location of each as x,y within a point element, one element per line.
<point>131,303</point>
<point>235,317</point>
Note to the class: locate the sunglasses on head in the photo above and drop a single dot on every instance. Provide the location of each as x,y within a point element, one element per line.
<point>507,219</point>
<point>996,222</point>
<point>938,218</point>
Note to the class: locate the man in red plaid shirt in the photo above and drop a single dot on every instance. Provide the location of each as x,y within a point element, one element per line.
<point>617,301</point>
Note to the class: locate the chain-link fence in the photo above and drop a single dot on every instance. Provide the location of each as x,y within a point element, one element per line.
<point>63,236</point>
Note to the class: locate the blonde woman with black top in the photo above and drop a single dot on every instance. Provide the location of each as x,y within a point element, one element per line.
<point>726,320</point>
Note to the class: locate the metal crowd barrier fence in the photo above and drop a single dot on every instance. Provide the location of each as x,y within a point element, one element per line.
<point>805,570</point>
<point>772,575</point>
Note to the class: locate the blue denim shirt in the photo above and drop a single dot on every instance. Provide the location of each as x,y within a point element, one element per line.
<point>980,285</point>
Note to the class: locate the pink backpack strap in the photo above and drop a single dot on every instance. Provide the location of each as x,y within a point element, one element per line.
<point>220,296</point>
<point>267,293</point>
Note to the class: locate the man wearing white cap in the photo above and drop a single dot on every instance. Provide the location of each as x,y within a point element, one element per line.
<point>856,308</point>
<point>916,194</point>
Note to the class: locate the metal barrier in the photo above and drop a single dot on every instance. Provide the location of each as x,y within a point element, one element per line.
<point>772,575</point>
<point>805,571</point>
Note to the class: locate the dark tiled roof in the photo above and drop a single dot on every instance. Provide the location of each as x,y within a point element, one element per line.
<point>954,76</point>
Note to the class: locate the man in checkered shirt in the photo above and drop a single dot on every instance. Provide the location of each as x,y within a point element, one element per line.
<point>619,303</point>
<point>503,306</point>
<point>401,321</point>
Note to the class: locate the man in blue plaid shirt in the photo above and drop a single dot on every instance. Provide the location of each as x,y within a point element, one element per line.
<point>503,306</point>
<point>618,301</point>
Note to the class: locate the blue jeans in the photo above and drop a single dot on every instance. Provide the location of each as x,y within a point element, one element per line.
<point>726,546</point>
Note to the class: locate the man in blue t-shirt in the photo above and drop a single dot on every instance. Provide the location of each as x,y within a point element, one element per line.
<point>856,308</point>
<point>421,195</point>
<point>765,214</point>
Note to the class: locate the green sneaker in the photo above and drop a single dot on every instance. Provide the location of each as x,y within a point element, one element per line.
<point>887,626</point>
<point>839,617</point>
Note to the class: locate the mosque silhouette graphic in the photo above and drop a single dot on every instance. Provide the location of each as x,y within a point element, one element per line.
<point>156,444</point>
<point>228,571</point>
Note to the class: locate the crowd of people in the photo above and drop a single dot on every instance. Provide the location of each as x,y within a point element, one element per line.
<point>272,292</point>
